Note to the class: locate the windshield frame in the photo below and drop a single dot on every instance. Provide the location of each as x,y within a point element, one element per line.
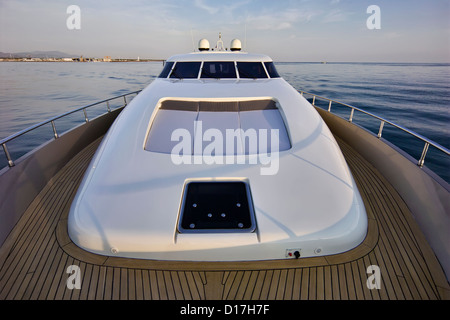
<point>232,74</point>
<point>195,70</point>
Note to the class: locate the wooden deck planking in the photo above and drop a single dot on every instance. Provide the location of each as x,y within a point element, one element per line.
<point>36,255</point>
<point>401,249</point>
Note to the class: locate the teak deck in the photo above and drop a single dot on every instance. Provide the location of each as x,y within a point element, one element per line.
<point>35,257</point>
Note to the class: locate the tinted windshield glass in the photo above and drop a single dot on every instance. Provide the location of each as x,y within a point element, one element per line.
<point>270,66</point>
<point>165,71</point>
<point>218,70</point>
<point>251,70</point>
<point>185,70</point>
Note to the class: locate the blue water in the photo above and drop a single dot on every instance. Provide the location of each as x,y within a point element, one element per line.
<point>415,96</point>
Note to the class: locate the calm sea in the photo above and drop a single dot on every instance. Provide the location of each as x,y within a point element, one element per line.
<point>415,96</point>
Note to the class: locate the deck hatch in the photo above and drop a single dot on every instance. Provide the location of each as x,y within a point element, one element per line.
<point>245,118</point>
<point>217,206</point>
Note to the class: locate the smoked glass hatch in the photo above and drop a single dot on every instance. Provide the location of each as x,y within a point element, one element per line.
<point>216,207</point>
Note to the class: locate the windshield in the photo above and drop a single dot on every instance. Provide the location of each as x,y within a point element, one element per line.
<point>270,67</point>
<point>184,70</point>
<point>218,70</point>
<point>252,70</point>
<point>165,71</point>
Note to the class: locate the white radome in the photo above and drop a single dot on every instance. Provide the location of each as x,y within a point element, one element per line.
<point>235,45</point>
<point>203,44</point>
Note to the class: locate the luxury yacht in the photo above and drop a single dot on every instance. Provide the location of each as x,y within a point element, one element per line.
<point>221,181</point>
<point>219,159</point>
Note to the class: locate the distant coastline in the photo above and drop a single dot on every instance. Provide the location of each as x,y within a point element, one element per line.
<point>78,60</point>
<point>58,56</point>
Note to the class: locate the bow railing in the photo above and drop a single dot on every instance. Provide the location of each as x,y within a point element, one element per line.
<point>427,142</point>
<point>5,141</point>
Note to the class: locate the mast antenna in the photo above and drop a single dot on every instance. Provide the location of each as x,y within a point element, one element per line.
<point>245,36</point>
<point>192,38</point>
<point>219,45</point>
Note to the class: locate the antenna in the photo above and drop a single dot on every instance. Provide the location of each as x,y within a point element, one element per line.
<point>219,45</point>
<point>245,36</point>
<point>192,38</point>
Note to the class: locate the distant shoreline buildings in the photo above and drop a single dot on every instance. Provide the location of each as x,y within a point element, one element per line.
<point>57,56</point>
<point>80,59</point>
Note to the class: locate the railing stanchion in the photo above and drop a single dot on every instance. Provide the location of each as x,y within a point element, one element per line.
<point>424,153</point>
<point>8,156</point>
<point>85,115</point>
<point>329,107</point>
<point>55,133</point>
<point>351,115</point>
<point>107,106</point>
<point>381,129</point>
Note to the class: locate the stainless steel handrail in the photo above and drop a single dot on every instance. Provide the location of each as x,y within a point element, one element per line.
<point>427,141</point>
<point>52,120</point>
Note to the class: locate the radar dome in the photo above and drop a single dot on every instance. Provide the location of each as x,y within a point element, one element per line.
<point>235,45</point>
<point>203,45</point>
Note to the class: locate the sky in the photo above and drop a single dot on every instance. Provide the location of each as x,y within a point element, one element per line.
<point>286,30</point>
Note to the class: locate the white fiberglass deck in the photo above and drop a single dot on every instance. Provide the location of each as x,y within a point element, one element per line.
<point>130,201</point>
